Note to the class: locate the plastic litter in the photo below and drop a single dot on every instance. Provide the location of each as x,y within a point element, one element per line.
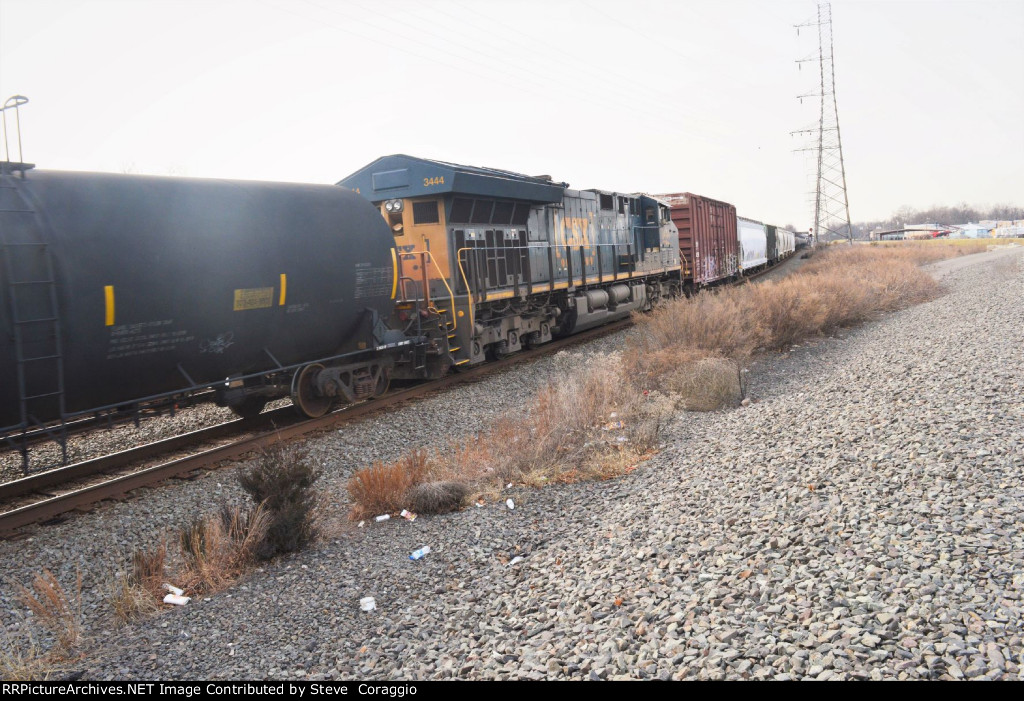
<point>516,560</point>
<point>177,599</point>
<point>509,503</point>
<point>408,515</point>
<point>367,603</point>
<point>417,554</point>
<point>382,517</point>
<point>173,589</point>
<point>361,523</point>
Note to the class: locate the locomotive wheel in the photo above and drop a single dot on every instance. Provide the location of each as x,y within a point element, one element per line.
<point>304,396</point>
<point>249,408</point>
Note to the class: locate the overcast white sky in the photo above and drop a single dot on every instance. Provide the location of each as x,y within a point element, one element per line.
<point>632,95</point>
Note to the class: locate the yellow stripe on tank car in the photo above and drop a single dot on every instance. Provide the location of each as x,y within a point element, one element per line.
<point>394,280</point>
<point>108,293</point>
<point>284,289</point>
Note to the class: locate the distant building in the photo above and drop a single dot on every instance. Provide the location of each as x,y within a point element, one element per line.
<point>925,231</point>
<point>1008,232</point>
<point>971,231</point>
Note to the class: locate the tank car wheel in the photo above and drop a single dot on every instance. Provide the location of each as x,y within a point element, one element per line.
<point>383,383</point>
<point>249,408</point>
<point>304,396</point>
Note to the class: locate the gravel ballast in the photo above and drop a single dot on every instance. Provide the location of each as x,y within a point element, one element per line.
<point>861,518</point>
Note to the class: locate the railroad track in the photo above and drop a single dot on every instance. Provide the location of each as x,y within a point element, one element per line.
<point>46,495</point>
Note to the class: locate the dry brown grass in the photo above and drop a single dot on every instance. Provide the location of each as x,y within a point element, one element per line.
<point>603,413</point>
<point>381,489</point>
<point>590,424</point>
<point>681,347</point>
<point>139,589</point>
<point>923,252</point>
<point>217,549</point>
<point>24,660</point>
<point>54,609</point>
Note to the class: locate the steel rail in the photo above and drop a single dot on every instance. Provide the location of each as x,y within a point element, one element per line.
<point>285,425</point>
<point>55,505</point>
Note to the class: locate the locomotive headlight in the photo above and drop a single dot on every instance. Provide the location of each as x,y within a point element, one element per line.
<point>389,205</point>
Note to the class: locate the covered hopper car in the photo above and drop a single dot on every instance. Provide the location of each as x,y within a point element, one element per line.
<point>753,244</point>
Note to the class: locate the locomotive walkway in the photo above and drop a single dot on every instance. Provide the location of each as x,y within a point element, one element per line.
<point>861,519</point>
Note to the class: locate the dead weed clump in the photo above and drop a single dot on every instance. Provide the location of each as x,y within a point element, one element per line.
<point>217,549</point>
<point>24,660</point>
<point>694,348</point>
<point>589,423</point>
<point>139,589</point>
<point>54,609</point>
<point>437,497</point>
<point>383,489</point>
<point>712,323</point>
<point>281,486</point>
<point>706,384</point>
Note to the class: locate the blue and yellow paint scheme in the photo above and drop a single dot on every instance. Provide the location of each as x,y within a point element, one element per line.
<point>565,257</point>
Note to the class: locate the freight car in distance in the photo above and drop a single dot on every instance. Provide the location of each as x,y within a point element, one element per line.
<point>708,243</point>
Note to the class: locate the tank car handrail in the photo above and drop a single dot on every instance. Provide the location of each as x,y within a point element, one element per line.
<point>13,103</point>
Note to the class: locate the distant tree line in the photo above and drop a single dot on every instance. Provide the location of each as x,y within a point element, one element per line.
<point>962,213</point>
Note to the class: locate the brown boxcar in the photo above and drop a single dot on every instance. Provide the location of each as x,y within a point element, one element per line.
<point>707,237</point>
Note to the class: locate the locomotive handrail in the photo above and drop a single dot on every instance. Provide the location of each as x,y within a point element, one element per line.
<point>424,256</point>
<point>469,292</point>
<point>569,248</point>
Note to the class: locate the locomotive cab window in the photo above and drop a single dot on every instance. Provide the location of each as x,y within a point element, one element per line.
<point>425,212</point>
<point>606,202</point>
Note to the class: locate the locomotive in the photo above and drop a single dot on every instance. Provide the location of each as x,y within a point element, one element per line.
<point>126,291</point>
<point>506,260</point>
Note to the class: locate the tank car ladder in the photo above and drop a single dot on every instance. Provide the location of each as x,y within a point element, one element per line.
<point>35,318</point>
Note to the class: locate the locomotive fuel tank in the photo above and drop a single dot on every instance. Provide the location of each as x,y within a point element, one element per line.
<point>121,287</point>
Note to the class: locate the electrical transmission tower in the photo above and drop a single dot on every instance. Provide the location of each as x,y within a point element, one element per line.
<point>831,206</point>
